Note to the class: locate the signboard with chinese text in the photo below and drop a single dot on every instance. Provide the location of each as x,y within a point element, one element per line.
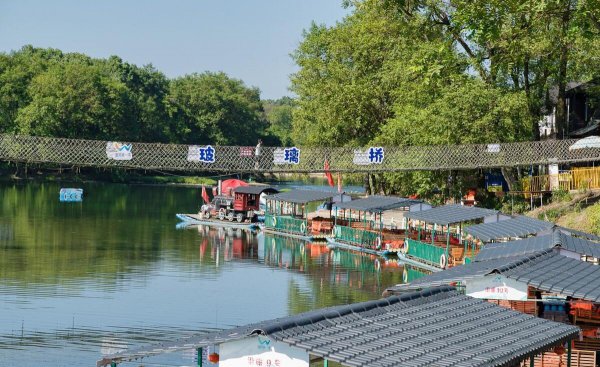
<point>119,151</point>
<point>493,148</point>
<point>246,151</point>
<point>373,155</point>
<point>260,351</point>
<point>201,154</point>
<point>496,286</point>
<point>286,156</point>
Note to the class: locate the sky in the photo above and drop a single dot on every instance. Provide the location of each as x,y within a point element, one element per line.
<point>247,39</point>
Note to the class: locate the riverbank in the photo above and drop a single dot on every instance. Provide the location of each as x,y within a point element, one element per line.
<point>580,211</point>
<point>11,172</point>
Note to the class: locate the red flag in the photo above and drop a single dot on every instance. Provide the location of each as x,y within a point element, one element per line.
<point>328,174</point>
<point>205,195</point>
<point>339,182</point>
<point>215,191</point>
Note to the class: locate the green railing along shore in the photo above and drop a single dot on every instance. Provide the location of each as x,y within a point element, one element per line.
<point>355,236</point>
<point>285,224</point>
<point>425,251</point>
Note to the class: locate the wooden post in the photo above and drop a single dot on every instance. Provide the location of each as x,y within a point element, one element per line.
<point>325,363</point>
<point>199,354</point>
<point>569,353</point>
<point>447,241</point>
<point>531,361</point>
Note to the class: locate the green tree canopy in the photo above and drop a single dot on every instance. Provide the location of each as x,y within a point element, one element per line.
<point>213,108</point>
<point>50,93</point>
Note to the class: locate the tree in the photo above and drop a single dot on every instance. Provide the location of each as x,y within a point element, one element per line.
<point>519,46</point>
<point>213,108</point>
<point>75,100</point>
<point>278,113</point>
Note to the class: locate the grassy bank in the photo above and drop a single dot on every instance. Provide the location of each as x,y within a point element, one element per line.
<point>579,211</point>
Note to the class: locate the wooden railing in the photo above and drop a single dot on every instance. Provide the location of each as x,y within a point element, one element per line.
<point>575,179</point>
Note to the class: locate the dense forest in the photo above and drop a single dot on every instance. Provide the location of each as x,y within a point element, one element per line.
<point>392,72</point>
<point>47,92</point>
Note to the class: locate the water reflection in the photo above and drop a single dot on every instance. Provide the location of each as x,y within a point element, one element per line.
<point>113,272</point>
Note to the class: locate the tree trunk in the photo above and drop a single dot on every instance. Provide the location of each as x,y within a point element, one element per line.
<point>561,105</point>
<point>509,175</point>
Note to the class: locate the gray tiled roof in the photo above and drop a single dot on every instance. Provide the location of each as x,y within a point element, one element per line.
<point>546,270</point>
<point>436,326</point>
<point>302,196</point>
<point>519,226</point>
<point>574,232</point>
<point>256,189</point>
<point>552,272</point>
<point>539,243</point>
<point>377,203</point>
<point>449,214</point>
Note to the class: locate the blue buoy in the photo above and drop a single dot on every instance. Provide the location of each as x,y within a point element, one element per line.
<point>71,195</point>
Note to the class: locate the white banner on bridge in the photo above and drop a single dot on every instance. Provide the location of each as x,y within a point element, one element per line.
<point>286,156</point>
<point>497,287</point>
<point>204,154</point>
<point>372,155</point>
<point>260,352</point>
<point>119,151</point>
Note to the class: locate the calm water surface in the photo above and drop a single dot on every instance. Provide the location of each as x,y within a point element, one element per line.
<point>79,280</point>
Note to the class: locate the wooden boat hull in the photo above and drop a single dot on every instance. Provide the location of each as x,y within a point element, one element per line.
<point>195,219</point>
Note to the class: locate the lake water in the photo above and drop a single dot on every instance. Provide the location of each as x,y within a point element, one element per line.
<point>79,280</point>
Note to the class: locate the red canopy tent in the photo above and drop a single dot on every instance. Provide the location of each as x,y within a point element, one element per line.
<point>227,186</point>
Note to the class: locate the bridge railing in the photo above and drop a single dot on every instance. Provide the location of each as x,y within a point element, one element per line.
<point>176,157</point>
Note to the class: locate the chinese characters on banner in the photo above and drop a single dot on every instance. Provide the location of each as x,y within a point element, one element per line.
<point>246,151</point>
<point>286,156</point>
<point>497,287</point>
<point>373,155</point>
<point>260,352</point>
<point>201,154</point>
<point>119,151</point>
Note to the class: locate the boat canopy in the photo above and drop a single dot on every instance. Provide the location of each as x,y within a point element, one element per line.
<point>539,243</point>
<point>378,204</point>
<point>302,196</point>
<point>436,326</point>
<point>450,214</point>
<point>519,226</point>
<point>255,189</point>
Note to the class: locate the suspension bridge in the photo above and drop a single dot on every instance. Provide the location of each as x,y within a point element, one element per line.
<point>177,157</point>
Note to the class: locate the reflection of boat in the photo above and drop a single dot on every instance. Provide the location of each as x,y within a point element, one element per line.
<point>195,219</point>
<point>332,244</point>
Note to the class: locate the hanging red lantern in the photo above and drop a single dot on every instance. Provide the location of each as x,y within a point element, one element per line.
<point>559,350</point>
<point>213,357</point>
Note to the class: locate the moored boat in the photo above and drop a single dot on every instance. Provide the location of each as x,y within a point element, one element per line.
<point>296,214</point>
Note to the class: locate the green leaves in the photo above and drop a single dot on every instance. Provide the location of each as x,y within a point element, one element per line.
<point>45,92</point>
